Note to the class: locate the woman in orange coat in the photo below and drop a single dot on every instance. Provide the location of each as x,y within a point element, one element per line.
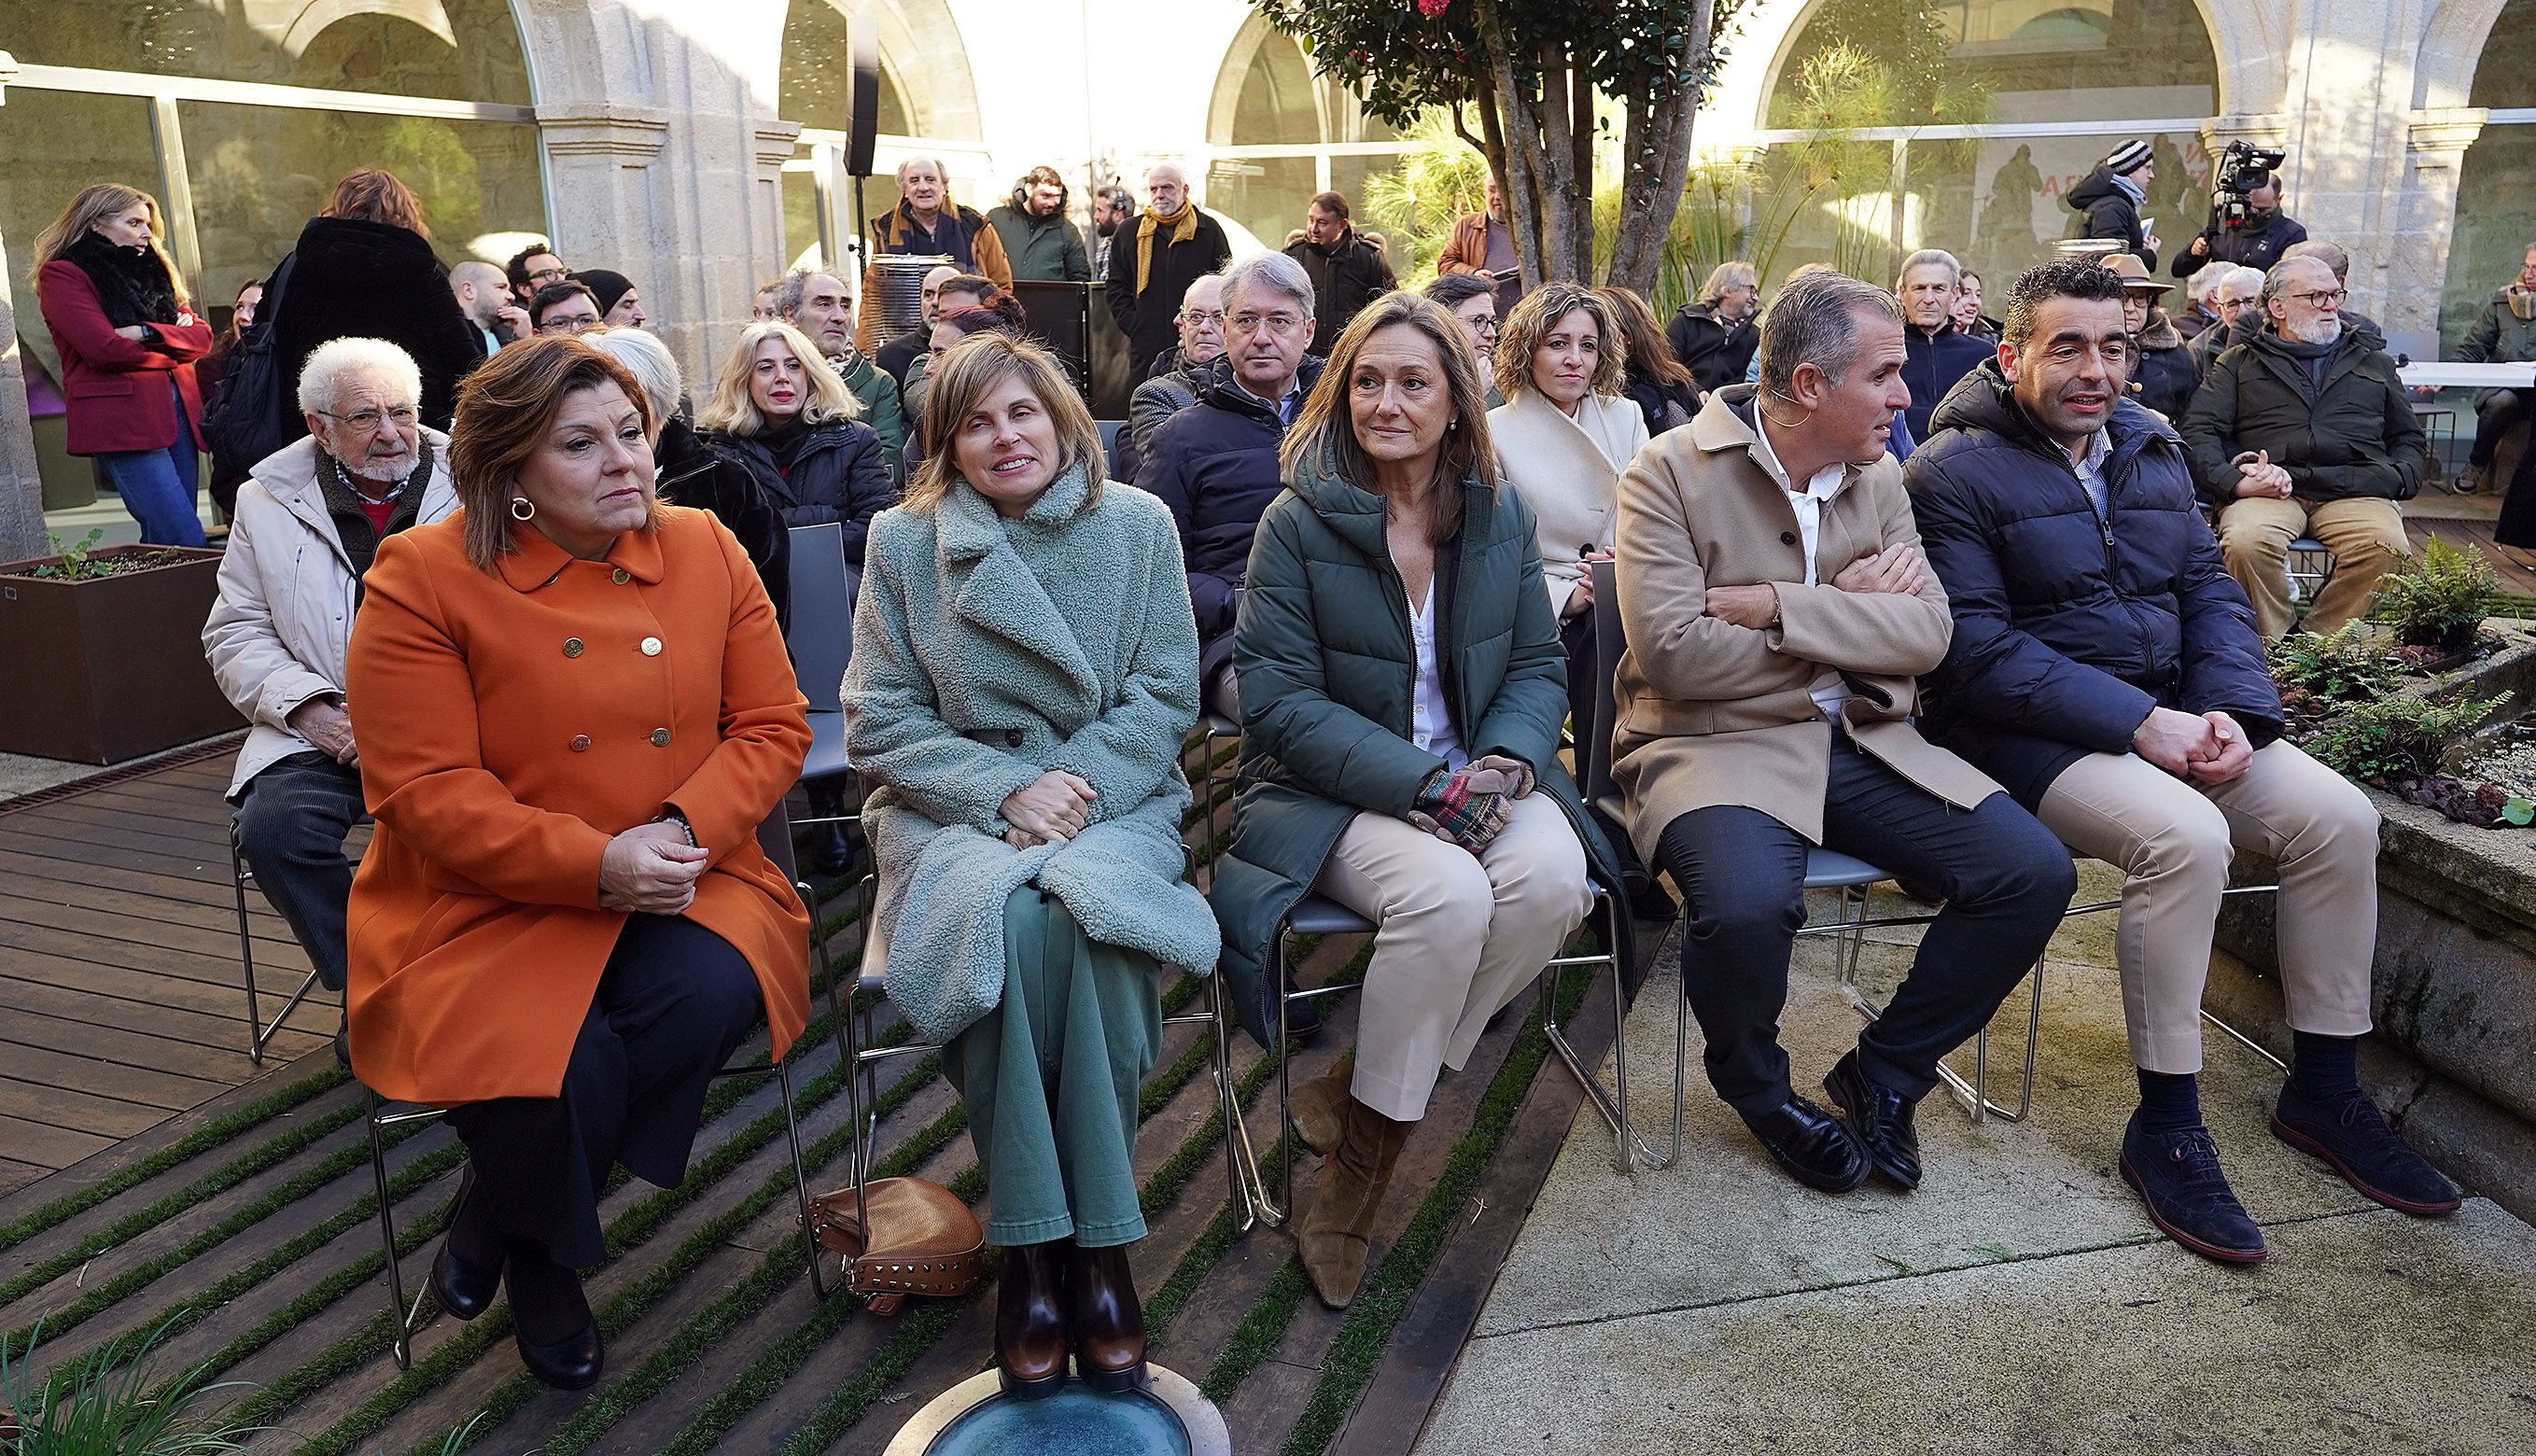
<point>575,710</point>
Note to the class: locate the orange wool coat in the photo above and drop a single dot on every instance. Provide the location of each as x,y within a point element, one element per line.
<point>509,724</point>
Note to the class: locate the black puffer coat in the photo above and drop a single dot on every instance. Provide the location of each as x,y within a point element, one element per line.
<point>2068,629</point>
<point>2107,211</point>
<point>838,474</point>
<point>693,472</point>
<point>1348,275</point>
<point>1715,353</point>
<point>2165,376</point>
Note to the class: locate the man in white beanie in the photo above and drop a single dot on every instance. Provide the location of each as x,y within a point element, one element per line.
<point>2111,196</point>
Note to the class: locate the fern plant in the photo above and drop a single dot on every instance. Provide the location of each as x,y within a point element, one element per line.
<point>2441,595</point>
<point>2389,740</point>
<point>2350,666</point>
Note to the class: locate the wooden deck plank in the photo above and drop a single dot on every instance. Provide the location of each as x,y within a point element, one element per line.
<point>51,943</point>
<point>14,1175</point>
<point>45,1145</point>
<point>71,1110</point>
<point>118,986</point>
<point>19,833</point>
<point>67,1069</point>
<point>210,1057</point>
<point>218,942</point>
<point>21,864</point>
<point>78,819</point>
<point>271,933</point>
<point>169,1025</point>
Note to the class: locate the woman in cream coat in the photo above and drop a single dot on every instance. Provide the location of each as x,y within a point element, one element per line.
<point>1562,437</point>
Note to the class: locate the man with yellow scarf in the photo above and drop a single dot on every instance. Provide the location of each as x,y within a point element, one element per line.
<point>1173,246</point>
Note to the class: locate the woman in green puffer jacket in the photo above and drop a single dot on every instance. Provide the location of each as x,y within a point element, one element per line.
<point>1402,690</point>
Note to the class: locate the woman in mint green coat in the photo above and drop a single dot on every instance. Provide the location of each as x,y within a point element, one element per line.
<point>1025,672</point>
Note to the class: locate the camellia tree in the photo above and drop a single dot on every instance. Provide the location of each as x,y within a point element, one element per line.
<point>1530,70</point>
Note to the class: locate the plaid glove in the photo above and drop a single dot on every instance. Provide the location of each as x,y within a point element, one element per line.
<point>1518,774</point>
<point>1467,807</point>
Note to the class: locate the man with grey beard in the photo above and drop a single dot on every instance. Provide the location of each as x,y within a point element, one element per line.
<point>2307,430</point>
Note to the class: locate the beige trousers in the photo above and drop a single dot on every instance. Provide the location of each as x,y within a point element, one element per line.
<point>2365,534</point>
<point>1460,936</point>
<point>2173,840</point>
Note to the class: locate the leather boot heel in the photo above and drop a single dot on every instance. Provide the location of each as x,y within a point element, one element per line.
<point>464,1286</point>
<point>1105,1320</point>
<point>1338,1233</point>
<point>1030,1322</point>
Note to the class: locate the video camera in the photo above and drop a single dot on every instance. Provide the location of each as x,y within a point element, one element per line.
<point>2243,167</point>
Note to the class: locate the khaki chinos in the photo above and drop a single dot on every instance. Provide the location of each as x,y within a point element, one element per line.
<point>2365,534</point>
<point>2175,839</point>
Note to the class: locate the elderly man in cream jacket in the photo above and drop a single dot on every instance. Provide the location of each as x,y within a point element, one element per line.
<point>309,520</point>
<point>1777,609</point>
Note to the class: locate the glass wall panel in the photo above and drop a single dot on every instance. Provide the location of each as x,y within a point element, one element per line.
<point>459,49</point>
<point>2496,216</point>
<point>1265,195</point>
<point>56,143</point>
<point>2008,60</point>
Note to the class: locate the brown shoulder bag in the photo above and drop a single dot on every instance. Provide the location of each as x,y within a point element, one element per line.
<point>920,1239</point>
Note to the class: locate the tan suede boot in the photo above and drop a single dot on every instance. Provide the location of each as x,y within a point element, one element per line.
<point>1318,1106</point>
<point>1336,1235</point>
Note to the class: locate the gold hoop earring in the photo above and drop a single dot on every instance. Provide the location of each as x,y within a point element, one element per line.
<point>523,508</point>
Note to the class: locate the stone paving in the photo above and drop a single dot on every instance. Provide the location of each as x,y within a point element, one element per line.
<point>2019,1302</point>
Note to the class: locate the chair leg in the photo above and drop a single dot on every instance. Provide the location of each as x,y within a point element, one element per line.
<point>1974,1096</point>
<point>1628,1146</point>
<point>1285,1074</point>
<point>819,1286</point>
<point>239,873</point>
<point>405,1319</point>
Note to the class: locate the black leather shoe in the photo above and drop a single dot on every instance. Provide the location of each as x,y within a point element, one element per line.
<point>550,1321</point>
<point>2176,1175</point>
<point>2351,1134</point>
<point>1813,1145</point>
<point>464,1284</point>
<point>573,1362</point>
<point>831,853</point>
<point>1880,1119</point>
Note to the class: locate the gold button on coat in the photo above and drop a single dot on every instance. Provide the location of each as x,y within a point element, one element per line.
<point>619,577</point>
<point>651,647</point>
<point>660,738</point>
<point>581,742</point>
<point>572,647</point>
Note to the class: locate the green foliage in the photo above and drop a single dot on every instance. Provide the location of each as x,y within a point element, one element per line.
<point>2445,589</point>
<point>2518,812</point>
<point>2350,666</point>
<point>2389,740</point>
<point>74,565</point>
<point>1413,206</point>
<point>111,1403</point>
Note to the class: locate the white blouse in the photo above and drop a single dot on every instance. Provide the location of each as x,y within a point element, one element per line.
<point>1430,719</point>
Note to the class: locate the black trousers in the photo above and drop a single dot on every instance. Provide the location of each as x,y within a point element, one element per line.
<point>1742,875</point>
<point>674,1002</point>
<point>2493,417</point>
<point>1576,635</point>
<point>292,820</point>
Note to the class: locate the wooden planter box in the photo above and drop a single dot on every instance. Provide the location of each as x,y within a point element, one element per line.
<point>109,670</point>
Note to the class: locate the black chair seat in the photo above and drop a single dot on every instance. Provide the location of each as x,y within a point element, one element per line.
<point>1314,916</point>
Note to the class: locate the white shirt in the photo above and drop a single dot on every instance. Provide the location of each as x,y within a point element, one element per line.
<point>1430,719</point>
<point>1828,690</point>
<point>2090,468</point>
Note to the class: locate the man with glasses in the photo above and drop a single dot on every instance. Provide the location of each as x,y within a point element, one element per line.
<point>532,268</point>
<point>2306,431</point>
<point>2106,671</point>
<point>1177,375</point>
<point>2234,296</point>
<point>566,307</point>
<point>1215,463</point>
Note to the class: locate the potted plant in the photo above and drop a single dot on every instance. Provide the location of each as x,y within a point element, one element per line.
<point>2440,600</point>
<point>107,645</point>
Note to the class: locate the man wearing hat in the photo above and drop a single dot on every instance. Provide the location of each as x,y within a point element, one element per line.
<point>2163,378</point>
<point>2111,196</point>
<point>619,306</point>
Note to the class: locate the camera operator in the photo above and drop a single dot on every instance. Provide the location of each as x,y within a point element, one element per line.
<point>2257,233</point>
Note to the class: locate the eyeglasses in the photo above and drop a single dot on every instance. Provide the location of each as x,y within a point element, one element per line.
<point>366,422</point>
<point>568,324</point>
<point>1194,316</point>
<point>1279,323</point>
<point>549,276</point>
<point>2325,298</point>
<point>1486,325</point>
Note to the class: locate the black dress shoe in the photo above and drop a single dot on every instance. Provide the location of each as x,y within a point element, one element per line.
<point>1814,1147</point>
<point>465,1282</point>
<point>1880,1119</point>
<point>550,1320</point>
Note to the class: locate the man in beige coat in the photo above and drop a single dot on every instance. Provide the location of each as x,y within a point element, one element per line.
<point>1777,609</point>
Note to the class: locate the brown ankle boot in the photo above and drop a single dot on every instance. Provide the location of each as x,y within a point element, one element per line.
<point>1105,1320</point>
<point>1030,1320</point>
<point>1318,1106</point>
<point>1336,1234</point>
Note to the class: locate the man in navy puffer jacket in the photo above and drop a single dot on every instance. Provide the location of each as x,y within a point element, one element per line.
<point>2105,670</point>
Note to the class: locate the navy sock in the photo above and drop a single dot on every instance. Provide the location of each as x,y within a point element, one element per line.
<point>2170,1101</point>
<point>2324,1068</point>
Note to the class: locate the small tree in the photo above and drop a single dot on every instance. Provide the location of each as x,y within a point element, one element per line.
<point>1530,70</point>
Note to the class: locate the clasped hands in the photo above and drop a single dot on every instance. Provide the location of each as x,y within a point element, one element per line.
<point>1898,569</point>
<point>1048,811</point>
<point>2257,475</point>
<point>651,869</point>
<point>1470,805</point>
<point>2210,748</point>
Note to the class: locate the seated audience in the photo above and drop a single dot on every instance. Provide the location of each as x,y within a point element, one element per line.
<point>568,307</point>
<point>308,525</point>
<point>1472,298</point>
<point>2236,293</point>
<point>2307,430</point>
<point>1024,672</point>
<point>1177,375</point>
<point>562,938</point>
<point>1403,689</point>
<point>780,412</point>
<point>1768,696</point>
<point>1939,351</point>
<point>1562,437</point>
<point>1653,379</point>
<point>927,223</point>
<point>687,472</point>
<point>2105,670</point>
<point>951,325</point>
<point>818,305</point>
<point>2200,293</point>
<point>767,304</point>
<point>1713,334</point>
<point>2162,376</point>
<point>1215,463</point>
<point>900,354</point>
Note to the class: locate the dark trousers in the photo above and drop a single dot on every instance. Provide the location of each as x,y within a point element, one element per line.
<point>292,820</point>
<point>1576,634</point>
<point>673,1003</point>
<point>1742,875</point>
<point>2493,417</point>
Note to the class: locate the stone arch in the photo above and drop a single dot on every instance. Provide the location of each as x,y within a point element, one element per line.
<point>429,14</point>
<point>924,57</point>
<point>2452,50</point>
<point>1251,46</point>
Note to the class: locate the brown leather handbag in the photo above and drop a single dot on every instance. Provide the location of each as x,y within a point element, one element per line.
<point>920,1239</point>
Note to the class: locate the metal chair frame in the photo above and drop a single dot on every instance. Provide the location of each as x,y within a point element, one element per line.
<point>2310,566</point>
<point>259,1032</point>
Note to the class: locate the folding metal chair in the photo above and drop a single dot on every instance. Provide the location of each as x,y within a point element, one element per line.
<point>2310,567</point>
<point>775,835</point>
<point>259,1032</point>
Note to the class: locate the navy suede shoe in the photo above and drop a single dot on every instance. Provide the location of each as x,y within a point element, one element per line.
<point>2351,1134</point>
<point>2176,1175</point>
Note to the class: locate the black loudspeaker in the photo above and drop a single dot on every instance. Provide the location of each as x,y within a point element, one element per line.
<point>862,51</point>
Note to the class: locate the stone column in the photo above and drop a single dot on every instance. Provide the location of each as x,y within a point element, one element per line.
<point>22,492</point>
<point>2433,161</point>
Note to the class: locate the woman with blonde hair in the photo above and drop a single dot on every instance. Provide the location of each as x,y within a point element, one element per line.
<point>1025,672</point>
<point>1402,688</point>
<point>1562,437</point>
<point>575,712</point>
<point>128,338</point>
<point>780,413</point>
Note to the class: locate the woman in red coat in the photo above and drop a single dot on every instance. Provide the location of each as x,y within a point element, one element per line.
<point>128,340</point>
<point>573,708</point>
